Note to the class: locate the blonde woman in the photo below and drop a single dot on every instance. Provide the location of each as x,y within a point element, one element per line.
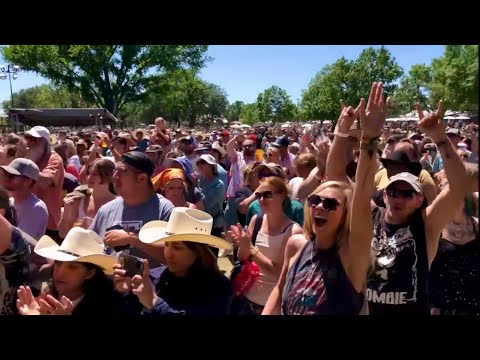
<point>325,268</point>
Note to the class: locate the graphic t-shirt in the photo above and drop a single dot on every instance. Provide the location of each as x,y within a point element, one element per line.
<point>131,218</point>
<point>398,281</point>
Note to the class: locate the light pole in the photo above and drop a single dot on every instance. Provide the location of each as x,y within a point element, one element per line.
<point>12,71</point>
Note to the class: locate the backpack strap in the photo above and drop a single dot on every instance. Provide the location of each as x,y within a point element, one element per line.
<point>256,229</point>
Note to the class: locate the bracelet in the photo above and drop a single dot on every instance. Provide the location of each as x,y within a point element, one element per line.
<point>253,252</point>
<point>340,134</point>
<point>371,146</point>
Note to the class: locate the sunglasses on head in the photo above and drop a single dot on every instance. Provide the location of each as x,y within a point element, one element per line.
<point>265,175</point>
<point>265,195</point>
<point>328,204</point>
<point>404,194</point>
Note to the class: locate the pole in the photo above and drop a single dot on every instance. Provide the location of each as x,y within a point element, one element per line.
<point>10,79</point>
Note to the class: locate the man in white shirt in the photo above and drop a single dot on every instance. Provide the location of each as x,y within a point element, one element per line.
<point>31,213</point>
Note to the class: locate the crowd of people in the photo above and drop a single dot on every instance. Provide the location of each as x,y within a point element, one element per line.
<point>362,218</point>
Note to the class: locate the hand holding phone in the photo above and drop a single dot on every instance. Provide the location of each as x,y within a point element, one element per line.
<point>131,264</point>
<point>120,247</point>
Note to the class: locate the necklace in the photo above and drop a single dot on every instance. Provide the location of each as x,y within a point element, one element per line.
<point>309,291</point>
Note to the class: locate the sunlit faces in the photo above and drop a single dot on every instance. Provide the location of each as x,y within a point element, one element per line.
<point>401,201</point>
<point>327,210</point>
<point>269,199</point>
<point>174,189</point>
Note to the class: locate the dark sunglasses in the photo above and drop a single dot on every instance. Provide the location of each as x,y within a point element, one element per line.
<point>264,176</point>
<point>265,195</point>
<point>404,194</point>
<point>328,204</point>
<point>201,162</point>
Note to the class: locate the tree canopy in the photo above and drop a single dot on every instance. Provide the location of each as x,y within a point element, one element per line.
<point>109,76</point>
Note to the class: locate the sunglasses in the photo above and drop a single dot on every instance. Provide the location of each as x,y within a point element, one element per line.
<point>270,155</point>
<point>404,194</point>
<point>328,204</point>
<point>264,176</point>
<point>249,146</point>
<point>265,195</point>
<point>201,162</point>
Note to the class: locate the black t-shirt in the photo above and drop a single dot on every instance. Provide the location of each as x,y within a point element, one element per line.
<point>398,281</point>
<point>455,277</point>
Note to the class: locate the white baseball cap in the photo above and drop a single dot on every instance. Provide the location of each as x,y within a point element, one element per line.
<point>39,132</point>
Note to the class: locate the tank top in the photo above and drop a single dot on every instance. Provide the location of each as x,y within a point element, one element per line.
<point>455,277</point>
<point>398,280</point>
<point>317,284</point>
<point>271,247</point>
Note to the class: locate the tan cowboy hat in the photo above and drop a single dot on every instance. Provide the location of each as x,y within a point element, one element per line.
<point>53,139</point>
<point>80,245</point>
<point>184,225</point>
<point>219,148</point>
<point>146,134</point>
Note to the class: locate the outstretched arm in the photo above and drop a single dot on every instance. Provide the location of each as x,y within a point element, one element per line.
<point>361,222</point>
<point>439,213</point>
<point>337,160</point>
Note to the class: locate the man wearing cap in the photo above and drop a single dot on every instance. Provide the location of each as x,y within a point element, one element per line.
<point>406,234</point>
<point>49,185</point>
<point>399,161</point>
<point>120,220</point>
<point>31,213</point>
<point>286,158</point>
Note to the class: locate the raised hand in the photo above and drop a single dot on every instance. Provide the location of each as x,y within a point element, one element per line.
<point>432,123</point>
<point>347,117</point>
<point>142,287</point>
<point>238,235</point>
<point>26,303</point>
<point>372,118</point>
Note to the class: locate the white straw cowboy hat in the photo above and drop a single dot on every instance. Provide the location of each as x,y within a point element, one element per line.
<point>80,245</point>
<point>184,225</point>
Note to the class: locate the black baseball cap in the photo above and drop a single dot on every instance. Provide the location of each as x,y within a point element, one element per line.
<point>139,161</point>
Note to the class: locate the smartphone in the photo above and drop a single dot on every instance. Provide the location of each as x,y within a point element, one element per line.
<point>131,264</point>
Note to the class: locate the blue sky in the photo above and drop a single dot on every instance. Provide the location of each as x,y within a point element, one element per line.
<point>246,70</point>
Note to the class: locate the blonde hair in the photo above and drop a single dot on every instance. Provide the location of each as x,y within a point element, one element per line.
<point>344,230</point>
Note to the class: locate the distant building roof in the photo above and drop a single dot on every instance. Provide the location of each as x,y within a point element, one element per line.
<point>63,117</point>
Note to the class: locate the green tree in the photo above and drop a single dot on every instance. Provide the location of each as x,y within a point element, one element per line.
<point>274,104</point>
<point>45,96</point>
<point>455,78</point>
<point>413,89</point>
<point>250,114</point>
<point>350,81</point>
<point>234,110</point>
<point>108,75</point>
<point>181,96</point>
